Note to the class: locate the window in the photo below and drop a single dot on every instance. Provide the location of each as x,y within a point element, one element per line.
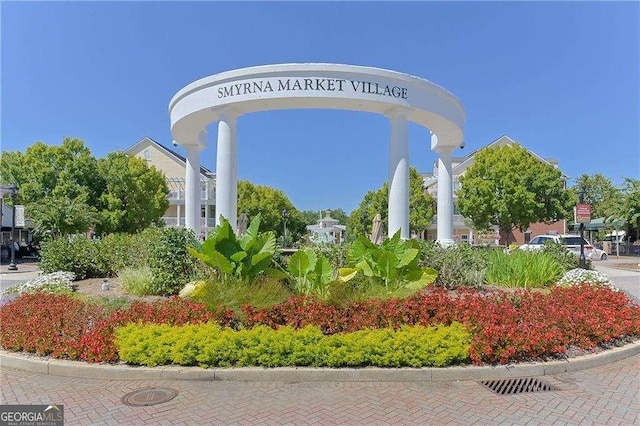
<point>527,237</point>
<point>147,155</point>
<point>573,241</point>
<point>539,240</point>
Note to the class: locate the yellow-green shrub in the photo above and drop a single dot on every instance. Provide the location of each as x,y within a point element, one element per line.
<point>209,345</point>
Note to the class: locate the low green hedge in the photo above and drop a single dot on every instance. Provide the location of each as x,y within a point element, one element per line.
<point>209,345</point>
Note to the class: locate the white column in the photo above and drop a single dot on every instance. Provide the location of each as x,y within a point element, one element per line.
<point>192,189</point>
<point>178,215</point>
<point>445,195</point>
<point>227,172</point>
<point>399,176</point>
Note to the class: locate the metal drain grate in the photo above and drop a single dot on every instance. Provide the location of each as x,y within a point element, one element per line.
<point>150,396</point>
<point>520,385</point>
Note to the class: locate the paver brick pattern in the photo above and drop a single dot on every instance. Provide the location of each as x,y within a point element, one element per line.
<point>606,395</point>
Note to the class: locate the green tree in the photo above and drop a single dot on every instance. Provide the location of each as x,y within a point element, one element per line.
<point>66,171</point>
<point>126,194</point>
<point>134,195</point>
<point>338,214</point>
<point>421,207</point>
<point>270,203</point>
<point>599,191</point>
<point>311,216</point>
<point>373,203</point>
<point>508,187</point>
<point>61,216</point>
<point>630,210</point>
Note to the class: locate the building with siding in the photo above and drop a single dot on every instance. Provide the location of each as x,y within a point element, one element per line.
<point>462,231</point>
<point>173,165</point>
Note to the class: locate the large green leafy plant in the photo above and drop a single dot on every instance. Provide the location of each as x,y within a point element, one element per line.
<point>310,273</point>
<point>242,258</point>
<point>394,263</point>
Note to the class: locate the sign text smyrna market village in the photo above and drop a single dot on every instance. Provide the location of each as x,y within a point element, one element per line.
<point>312,84</point>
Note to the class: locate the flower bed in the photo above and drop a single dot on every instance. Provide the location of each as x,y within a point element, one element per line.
<point>504,326</point>
<point>64,327</point>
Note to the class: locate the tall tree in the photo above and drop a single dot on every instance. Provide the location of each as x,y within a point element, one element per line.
<point>67,171</point>
<point>270,202</point>
<point>338,214</point>
<point>373,203</point>
<point>421,207</point>
<point>61,216</point>
<point>599,191</point>
<point>134,196</point>
<point>630,210</point>
<point>311,216</point>
<point>126,194</point>
<point>508,187</point>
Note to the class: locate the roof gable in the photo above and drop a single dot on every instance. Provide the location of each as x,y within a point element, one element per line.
<point>465,162</point>
<point>182,161</point>
<point>501,141</point>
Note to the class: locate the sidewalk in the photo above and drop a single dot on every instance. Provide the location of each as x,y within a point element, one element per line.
<point>26,271</point>
<point>624,279</point>
<point>23,268</point>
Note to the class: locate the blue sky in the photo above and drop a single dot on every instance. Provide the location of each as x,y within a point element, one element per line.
<point>562,78</point>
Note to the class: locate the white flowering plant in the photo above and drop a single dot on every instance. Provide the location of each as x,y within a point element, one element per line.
<point>56,282</point>
<point>579,276</point>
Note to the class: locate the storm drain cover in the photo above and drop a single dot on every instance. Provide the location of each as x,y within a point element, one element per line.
<point>149,396</point>
<point>519,385</point>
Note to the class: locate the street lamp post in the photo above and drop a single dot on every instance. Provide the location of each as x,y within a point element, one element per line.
<point>284,224</point>
<point>14,193</point>
<point>583,262</point>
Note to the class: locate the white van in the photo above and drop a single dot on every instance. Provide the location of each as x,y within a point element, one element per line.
<point>614,242</point>
<point>615,237</point>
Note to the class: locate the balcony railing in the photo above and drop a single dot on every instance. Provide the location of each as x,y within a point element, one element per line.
<point>180,196</point>
<point>458,219</point>
<point>177,189</point>
<point>209,222</point>
<point>172,222</point>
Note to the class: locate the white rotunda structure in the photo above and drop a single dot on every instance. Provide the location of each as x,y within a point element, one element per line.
<point>224,97</point>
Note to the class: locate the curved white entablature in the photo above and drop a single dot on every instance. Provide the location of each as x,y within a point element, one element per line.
<point>403,98</point>
<point>302,86</point>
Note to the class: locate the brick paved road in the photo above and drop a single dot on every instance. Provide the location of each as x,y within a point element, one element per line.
<point>606,395</point>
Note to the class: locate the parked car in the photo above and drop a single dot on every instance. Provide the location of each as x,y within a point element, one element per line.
<point>570,241</point>
<point>598,254</point>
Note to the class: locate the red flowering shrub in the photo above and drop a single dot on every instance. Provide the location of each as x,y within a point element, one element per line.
<point>47,324</point>
<point>300,311</point>
<point>65,327</point>
<point>505,326</point>
<point>98,345</point>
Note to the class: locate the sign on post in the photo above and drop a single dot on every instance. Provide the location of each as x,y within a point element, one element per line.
<point>583,213</point>
<point>19,216</point>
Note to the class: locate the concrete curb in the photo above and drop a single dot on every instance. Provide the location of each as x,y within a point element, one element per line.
<point>80,369</point>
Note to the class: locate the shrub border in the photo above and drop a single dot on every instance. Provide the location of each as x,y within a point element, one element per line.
<point>79,369</point>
